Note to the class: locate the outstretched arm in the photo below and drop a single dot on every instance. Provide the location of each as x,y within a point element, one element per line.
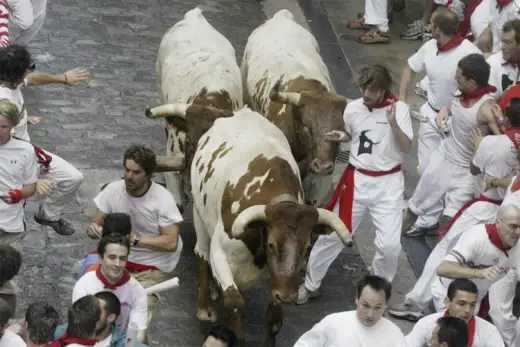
<point>71,77</point>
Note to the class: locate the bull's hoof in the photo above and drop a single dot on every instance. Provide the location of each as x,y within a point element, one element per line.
<point>207,315</point>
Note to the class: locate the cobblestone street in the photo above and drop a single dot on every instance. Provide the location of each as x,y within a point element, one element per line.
<point>92,125</point>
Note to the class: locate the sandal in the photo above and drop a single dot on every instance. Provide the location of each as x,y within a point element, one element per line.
<point>357,24</point>
<point>374,36</point>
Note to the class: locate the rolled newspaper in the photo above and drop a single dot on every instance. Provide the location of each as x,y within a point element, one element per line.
<point>163,286</point>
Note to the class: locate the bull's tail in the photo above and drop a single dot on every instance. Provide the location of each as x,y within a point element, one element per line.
<point>284,14</point>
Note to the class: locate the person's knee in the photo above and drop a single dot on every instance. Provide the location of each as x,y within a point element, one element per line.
<point>75,178</point>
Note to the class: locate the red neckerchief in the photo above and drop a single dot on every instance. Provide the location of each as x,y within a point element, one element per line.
<point>477,93</point>
<point>492,232</point>
<point>454,42</point>
<point>471,329</point>
<point>387,100</point>
<point>503,3</point>
<point>65,340</point>
<point>514,136</point>
<point>510,63</point>
<point>465,24</point>
<point>122,281</point>
<point>43,158</point>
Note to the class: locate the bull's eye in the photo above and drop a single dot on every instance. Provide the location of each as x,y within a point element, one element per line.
<point>272,247</point>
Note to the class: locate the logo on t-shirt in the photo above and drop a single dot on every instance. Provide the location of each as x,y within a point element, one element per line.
<point>365,144</point>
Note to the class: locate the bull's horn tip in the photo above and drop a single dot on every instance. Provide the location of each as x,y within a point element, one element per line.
<point>148,112</point>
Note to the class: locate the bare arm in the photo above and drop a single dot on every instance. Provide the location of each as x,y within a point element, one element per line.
<point>406,79</point>
<point>95,229</point>
<point>141,335</point>
<point>167,241</point>
<point>487,115</point>
<point>485,41</point>
<point>28,190</point>
<point>454,270</point>
<point>403,141</point>
<point>71,77</point>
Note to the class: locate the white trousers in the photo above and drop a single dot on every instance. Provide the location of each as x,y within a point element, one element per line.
<point>479,212</point>
<point>66,180</point>
<point>376,13</point>
<point>501,296</point>
<point>382,197</point>
<point>29,16</point>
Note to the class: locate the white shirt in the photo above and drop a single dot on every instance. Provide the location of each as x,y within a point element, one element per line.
<point>496,157</point>
<point>10,339</point>
<point>155,209</point>
<point>374,146</point>
<point>513,193</point>
<point>105,342</point>
<point>134,301</point>
<point>486,334</point>
<point>344,329</point>
<point>440,69</point>
<point>18,167</point>
<point>501,75</point>
<point>16,96</point>
<point>499,18</point>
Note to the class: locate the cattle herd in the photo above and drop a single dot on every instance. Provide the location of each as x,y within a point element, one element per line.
<point>241,139</point>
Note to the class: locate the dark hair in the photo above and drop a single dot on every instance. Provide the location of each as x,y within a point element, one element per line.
<point>374,77</point>
<point>475,67</point>
<point>512,25</point>
<point>377,283</point>
<point>446,21</point>
<point>112,303</point>
<point>143,156</point>
<point>5,312</point>
<point>42,320</point>
<point>513,112</point>
<point>461,285</point>
<point>83,317</point>
<point>118,223</point>
<point>453,331</point>
<point>224,334</point>
<point>118,239</point>
<point>10,262</point>
<point>15,62</point>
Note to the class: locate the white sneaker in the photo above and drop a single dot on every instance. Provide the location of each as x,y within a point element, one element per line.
<point>304,295</point>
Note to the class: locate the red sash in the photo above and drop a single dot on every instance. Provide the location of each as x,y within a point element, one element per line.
<point>345,192</point>
<point>471,329</point>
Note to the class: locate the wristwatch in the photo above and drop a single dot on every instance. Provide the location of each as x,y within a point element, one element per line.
<point>137,239</point>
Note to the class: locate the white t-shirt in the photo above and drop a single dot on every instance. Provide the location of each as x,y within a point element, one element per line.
<point>496,157</point>
<point>344,329</point>
<point>374,146</point>
<point>134,301</point>
<point>15,95</point>
<point>18,167</point>
<point>513,193</point>
<point>155,209</point>
<point>486,334</point>
<point>501,75</point>
<point>10,339</point>
<point>440,69</point>
<point>499,17</point>
<point>105,342</point>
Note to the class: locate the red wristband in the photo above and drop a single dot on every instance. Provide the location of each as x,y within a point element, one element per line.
<point>16,196</point>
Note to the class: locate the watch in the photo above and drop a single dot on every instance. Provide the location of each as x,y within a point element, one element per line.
<point>137,239</point>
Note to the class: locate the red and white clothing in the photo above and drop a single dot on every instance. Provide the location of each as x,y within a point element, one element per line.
<point>501,11</point>
<point>4,25</point>
<point>374,182</point>
<point>344,329</point>
<point>502,73</point>
<point>10,339</point>
<point>134,301</point>
<point>69,341</point>
<point>481,333</point>
<point>29,16</point>
<point>478,247</point>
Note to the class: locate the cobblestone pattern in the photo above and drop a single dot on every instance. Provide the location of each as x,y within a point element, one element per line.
<point>91,126</point>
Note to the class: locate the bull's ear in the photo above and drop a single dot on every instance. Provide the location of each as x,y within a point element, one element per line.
<point>322,229</point>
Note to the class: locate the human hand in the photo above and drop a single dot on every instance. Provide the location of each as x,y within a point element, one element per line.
<point>76,76</point>
<point>490,273</point>
<point>94,231</point>
<point>44,187</point>
<point>336,136</point>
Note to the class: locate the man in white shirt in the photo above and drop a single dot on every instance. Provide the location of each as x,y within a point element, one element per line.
<point>156,243</point>
<point>363,327</point>
<point>41,319</point>
<point>220,336</point>
<point>450,332</point>
<point>112,276</point>
<point>381,132</point>
<point>460,302</point>
<point>8,338</point>
<point>29,16</point>
<point>500,11</point>
<point>438,58</point>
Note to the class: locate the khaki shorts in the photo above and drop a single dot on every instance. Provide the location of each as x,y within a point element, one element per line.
<point>14,240</point>
<point>147,279</point>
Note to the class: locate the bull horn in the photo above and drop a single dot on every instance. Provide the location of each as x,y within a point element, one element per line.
<point>247,216</point>
<point>167,110</point>
<point>169,163</point>
<point>284,97</point>
<point>335,223</point>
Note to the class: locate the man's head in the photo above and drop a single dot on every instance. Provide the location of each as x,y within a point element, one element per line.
<point>15,64</point>
<point>375,82</point>
<point>510,39</point>
<point>450,332</point>
<point>113,252</point>
<point>110,310</point>
<point>461,299</point>
<point>9,118</point>
<point>472,72</point>
<point>508,224</point>
<point>117,223</point>
<point>5,314</point>
<point>41,320</point>
<point>221,336</point>
<point>513,112</point>
<point>10,262</point>
<point>83,317</point>
<point>444,23</point>
<point>373,292</point>
<point>139,163</point>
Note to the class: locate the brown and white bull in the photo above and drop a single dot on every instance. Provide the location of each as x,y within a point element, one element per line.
<point>250,217</point>
<point>286,80</point>
<point>196,65</point>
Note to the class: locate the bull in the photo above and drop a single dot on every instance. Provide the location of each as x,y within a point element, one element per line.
<point>196,66</point>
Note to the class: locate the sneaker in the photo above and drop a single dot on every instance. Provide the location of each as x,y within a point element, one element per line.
<point>419,91</point>
<point>414,31</point>
<point>416,231</point>
<point>407,311</point>
<point>426,37</point>
<point>61,226</point>
<point>304,295</point>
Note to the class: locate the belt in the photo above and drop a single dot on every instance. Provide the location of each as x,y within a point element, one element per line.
<point>345,191</point>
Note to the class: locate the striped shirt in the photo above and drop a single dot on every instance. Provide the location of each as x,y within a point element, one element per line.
<point>4,25</point>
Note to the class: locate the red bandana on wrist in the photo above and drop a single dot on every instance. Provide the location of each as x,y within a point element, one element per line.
<point>492,232</point>
<point>65,340</point>
<point>386,101</point>
<point>471,329</point>
<point>107,284</point>
<point>477,93</point>
<point>454,42</point>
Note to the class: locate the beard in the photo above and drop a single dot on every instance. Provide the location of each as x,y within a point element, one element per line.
<point>103,326</point>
